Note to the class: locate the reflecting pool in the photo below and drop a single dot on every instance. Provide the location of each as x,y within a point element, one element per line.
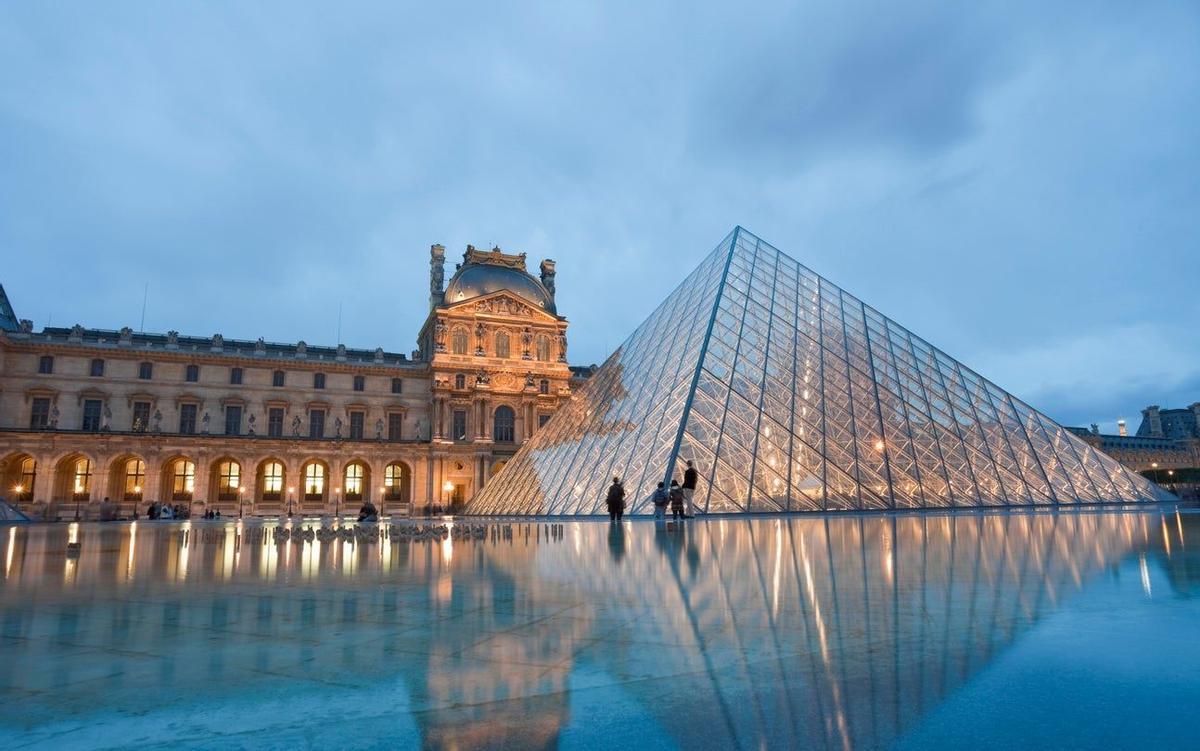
<point>1001,630</point>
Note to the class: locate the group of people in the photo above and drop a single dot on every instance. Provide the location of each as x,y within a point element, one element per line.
<point>678,497</point>
<point>166,511</point>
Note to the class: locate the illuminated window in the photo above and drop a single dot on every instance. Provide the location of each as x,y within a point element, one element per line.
<point>396,482</point>
<point>135,479</point>
<point>46,364</point>
<point>183,480</point>
<point>141,417</point>
<point>272,481</point>
<point>543,348</point>
<point>82,485</point>
<point>505,425</point>
<point>277,379</point>
<point>97,368</point>
<point>229,479</point>
<point>360,383</point>
<point>28,477</point>
<point>146,371</point>
<point>318,380</point>
<point>458,342</point>
<point>314,482</point>
<point>354,482</point>
<point>235,376</point>
<point>192,374</point>
<point>502,349</point>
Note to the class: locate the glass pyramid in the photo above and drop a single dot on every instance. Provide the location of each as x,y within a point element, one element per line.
<point>789,394</point>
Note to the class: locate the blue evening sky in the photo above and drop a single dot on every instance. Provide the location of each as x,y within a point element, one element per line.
<point>1017,182</point>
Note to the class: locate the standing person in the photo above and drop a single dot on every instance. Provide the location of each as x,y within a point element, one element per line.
<point>660,499</point>
<point>689,489</point>
<point>676,500</point>
<point>615,500</point>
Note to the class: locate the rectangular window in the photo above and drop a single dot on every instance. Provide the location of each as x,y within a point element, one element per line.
<point>39,417</point>
<point>316,423</point>
<point>193,373</point>
<point>46,364</point>
<point>360,383</point>
<point>233,420</point>
<point>146,371</point>
<point>397,385</point>
<point>460,425</point>
<point>318,380</point>
<point>97,368</point>
<point>277,379</point>
<point>357,421</point>
<point>275,422</point>
<point>141,417</point>
<point>395,422</point>
<point>235,376</point>
<point>187,418</point>
<point>91,413</point>
<point>543,419</point>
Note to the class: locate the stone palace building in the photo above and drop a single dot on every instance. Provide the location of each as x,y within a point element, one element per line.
<point>261,428</point>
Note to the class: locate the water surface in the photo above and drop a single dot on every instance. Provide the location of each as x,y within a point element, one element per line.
<point>1068,630</point>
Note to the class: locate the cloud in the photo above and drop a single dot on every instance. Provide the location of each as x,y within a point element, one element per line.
<point>1005,179</point>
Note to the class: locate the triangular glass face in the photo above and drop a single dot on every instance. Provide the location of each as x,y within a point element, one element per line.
<point>789,394</point>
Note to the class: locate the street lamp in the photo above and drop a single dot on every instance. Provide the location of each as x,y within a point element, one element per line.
<point>447,489</point>
<point>1154,466</point>
<point>382,499</point>
<point>241,495</point>
<point>337,503</point>
<point>291,491</point>
<point>17,489</point>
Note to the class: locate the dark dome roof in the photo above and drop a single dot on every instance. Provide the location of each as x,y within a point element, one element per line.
<point>478,279</point>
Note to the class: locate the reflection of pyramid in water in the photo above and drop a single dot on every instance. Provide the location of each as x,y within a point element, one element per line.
<point>791,395</point>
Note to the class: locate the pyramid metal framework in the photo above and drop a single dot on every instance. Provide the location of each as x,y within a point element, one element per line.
<point>789,394</point>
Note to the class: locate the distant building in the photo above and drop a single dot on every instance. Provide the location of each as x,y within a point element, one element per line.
<point>1166,447</point>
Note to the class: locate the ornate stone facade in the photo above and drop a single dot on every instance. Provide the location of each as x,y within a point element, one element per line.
<point>256,427</point>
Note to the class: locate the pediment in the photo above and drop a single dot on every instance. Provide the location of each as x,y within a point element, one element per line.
<point>502,304</point>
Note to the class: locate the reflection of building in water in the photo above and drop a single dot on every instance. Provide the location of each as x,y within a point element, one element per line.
<point>790,394</point>
<point>829,633</point>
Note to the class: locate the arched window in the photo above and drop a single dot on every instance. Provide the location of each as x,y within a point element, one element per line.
<point>135,479</point>
<point>458,342</point>
<point>354,482</point>
<point>272,482</point>
<point>314,482</point>
<point>28,476</point>
<point>502,349</point>
<point>396,482</point>
<point>183,480</point>
<point>460,381</point>
<point>543,348</point>
<point>543,386</point>
<point>82,485</point>
<point>229,480</point>
<point>504,430</point>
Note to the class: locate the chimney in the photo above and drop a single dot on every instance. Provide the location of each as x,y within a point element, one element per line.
<point>437,275</point>
<point>1121,428</point>
<point>547,276</point>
